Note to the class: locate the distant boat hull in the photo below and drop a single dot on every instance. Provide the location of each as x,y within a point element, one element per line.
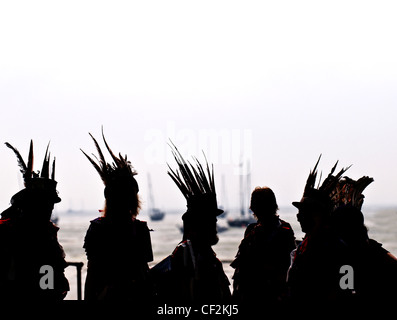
<point>156,215</point>
<point>241,222</point>
<point>219,229</point>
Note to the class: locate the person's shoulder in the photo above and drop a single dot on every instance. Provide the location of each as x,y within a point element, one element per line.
<point>5,222</point>
<point>285,227</point>
<point>140,222</point>
<point>6,227</point>
<point>284,224</point>
<point>250,229</point>
<point>94,232</point>
<point>376,246</point>
<point>98,220</point>
<point>142,225</point>
<point>96,224</point>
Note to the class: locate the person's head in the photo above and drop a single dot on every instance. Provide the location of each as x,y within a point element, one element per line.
<point>314,211</point>
<point>122,199</point>
<point>200,220</point>
<point>263,203</point>
<point>35,204</point>
<point>198,187</point>
<point>121,189</point>
<point>201,231</point>
<point>348,223</point>
<point>317,203</point>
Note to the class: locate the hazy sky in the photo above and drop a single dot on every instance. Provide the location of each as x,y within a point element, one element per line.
<point>274,83</point>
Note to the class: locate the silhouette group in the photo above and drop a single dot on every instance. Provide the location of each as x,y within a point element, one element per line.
<point>336,261</point>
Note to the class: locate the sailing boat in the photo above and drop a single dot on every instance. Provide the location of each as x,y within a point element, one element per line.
<point>245,218</point>
<point>155,214</point>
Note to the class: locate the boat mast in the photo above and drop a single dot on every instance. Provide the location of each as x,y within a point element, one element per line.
<point>248,186</point>
<point>151,199</point>
<point>242,207</point>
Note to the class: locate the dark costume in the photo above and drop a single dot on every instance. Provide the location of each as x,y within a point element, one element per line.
<point>24,250</point>
<point>118,245</point>
<point>262,262</point>
<point>375,269</point>
<point>315,271</point>
<point>192,273</point>
<point>117,260</point>
<point>28,240</point>
<point>198,275</point>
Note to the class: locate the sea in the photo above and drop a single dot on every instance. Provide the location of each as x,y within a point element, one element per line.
<point>166,234</point>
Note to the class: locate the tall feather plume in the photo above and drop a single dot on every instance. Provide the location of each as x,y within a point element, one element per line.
<point>45,171</point>
<point>116,160</point>
<point>311,179</point>
<point>349,191</point>
<point>53,170</point>
<point>21,163</point>
<point>107,170</point>
<point>101,173</point>
<point>29,171</point>
<point>337,190</point>
<point>101,159</point>
<point>191,180</point>
<point>329,186</point>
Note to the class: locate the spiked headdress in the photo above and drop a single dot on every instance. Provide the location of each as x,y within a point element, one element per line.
<point>325,195</point>
<point>196,184</point>
<point>36,181</point>
<point>116,176</point>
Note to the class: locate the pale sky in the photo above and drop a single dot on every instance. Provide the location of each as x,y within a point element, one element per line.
<point>282,80</point>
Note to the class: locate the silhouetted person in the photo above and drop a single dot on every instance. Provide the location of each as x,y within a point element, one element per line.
<point>118,245</point>
<point>375,269</point>
<point>263,257</point>
<point>195,275</point>
<point>32,261</point>
<point>314,276</point>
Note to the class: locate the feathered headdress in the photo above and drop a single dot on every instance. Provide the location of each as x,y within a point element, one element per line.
<point>324,195</point>
<point>348,192</point>
<point>37,180</point>
<point>115,175</point>
<point>196,183</point>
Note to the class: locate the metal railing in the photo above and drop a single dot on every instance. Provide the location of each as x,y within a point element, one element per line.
<point>79,266</point>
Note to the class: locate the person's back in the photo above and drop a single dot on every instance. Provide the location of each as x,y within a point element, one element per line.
<point>28,248</point>
<point>315,272</point>
<point>375,269</point>
<point>192,273</point>
<point>316,269</point>
<point>32,261</point>
<point>263,257</point>
<point>261,265</point>
<point>118,245</point>
<point>117,255</point>
<point>197,275</point>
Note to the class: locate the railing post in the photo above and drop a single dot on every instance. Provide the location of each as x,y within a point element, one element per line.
<point>79,266</point>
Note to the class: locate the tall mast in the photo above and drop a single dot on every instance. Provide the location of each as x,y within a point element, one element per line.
<point>248,186</point>
<point>151,199</point>
<point>242,207</point>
